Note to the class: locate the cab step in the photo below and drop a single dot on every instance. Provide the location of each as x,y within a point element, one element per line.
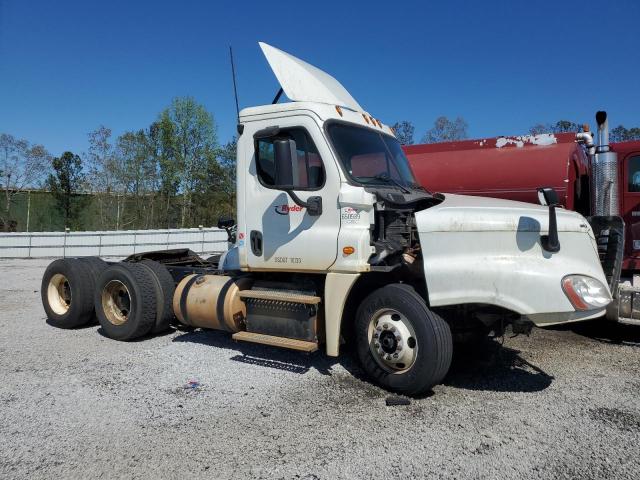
<point>280,296</point>
<point>282,342</point>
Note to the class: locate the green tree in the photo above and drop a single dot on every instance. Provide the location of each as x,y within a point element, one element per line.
<point>445,130</point>
<point>137,174</point>
<point>65,183</point>
<point>189,142</point>
<point>623,134</point>
<point>404,131</point>
<point>561,126</point>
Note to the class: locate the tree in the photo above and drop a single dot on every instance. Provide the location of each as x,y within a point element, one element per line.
<point>445,130</point>
<point>102,176</point>
<point>189,140</point>
<point>136,172</point>
<point>561,126</point>
<point>22,165</point>
<point>65,182</point>
<point>404,131</point>
<point>623,134</point>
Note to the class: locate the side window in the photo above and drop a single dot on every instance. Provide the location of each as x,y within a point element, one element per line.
<point>310,171</point>
<point>634,174</point>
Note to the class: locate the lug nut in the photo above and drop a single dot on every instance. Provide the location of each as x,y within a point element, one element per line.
<point>392,328</point>
<point>377,345</point>
<point>385,326</point>
<point>395,355</point>
<point>376,335</point>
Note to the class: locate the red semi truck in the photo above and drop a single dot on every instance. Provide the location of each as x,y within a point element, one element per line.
<point>597,179</point>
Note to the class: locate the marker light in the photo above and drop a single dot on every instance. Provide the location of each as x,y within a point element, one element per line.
<point>348,250</point>
<point>339,110</point>
<point>585,293</point>
<point>365,118</point>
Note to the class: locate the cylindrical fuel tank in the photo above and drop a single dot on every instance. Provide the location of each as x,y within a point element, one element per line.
<point>211,301</point>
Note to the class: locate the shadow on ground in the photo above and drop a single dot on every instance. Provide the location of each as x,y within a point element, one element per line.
<point>605,331</point>
<point>487,366</point>
<point>490,366</point>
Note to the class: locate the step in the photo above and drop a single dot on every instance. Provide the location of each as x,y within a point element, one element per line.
<point>280,296</point>
<point>282,342</point>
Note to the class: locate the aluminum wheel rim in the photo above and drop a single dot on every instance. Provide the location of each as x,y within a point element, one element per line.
<point>59,294</point>
<point>116,302</point>
<point>392,341</point>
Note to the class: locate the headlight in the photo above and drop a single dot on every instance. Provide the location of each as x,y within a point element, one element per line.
<point>585,293</point>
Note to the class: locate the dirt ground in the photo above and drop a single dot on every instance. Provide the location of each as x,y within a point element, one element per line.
<point>562,403</point>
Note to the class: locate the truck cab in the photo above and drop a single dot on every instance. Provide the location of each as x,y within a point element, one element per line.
<point>337,242</point>
<point>629,174</point>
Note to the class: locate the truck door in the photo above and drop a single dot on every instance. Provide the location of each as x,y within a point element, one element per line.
<point>280,234</point>
<point>631,204</point>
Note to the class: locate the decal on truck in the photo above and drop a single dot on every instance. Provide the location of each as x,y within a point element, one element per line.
<point>350,215</point>
<point>285,209</point>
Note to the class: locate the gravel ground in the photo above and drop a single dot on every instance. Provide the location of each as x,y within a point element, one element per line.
<point>562,403</point>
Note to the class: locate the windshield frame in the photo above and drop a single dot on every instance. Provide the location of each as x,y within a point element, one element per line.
<point>350,178</point>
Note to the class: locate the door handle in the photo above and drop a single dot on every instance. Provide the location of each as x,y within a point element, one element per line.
<point>255,238</point>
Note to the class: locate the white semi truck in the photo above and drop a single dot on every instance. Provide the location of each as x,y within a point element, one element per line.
<point>336,242</point>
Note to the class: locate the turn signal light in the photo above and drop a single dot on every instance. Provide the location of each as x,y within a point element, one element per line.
<point>348,250</point>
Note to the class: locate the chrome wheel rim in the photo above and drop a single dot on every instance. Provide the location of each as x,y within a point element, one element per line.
<point>116,302</point>
<point>392,341</point>
<point>59,294</point>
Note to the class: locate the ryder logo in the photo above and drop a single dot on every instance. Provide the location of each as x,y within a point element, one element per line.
<point>285,209</point>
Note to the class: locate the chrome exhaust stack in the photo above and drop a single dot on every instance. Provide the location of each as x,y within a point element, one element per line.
<point>604,173</point>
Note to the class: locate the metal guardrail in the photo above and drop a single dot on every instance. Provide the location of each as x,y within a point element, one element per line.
<point>109,243</point>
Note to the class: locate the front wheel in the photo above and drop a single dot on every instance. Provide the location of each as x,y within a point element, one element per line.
<point>402,345</point>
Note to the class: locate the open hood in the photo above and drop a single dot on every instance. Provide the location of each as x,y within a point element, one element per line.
<point>302,82</point>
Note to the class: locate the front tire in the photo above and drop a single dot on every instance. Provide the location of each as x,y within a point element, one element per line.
<point>402,345</point>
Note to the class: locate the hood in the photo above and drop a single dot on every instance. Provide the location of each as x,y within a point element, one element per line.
<point>302,82</point>
<point>462,213</point>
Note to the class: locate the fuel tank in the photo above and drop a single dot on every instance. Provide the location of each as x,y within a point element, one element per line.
<point>211,301</point>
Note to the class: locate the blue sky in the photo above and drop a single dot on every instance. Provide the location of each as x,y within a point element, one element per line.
<point>67,67</point>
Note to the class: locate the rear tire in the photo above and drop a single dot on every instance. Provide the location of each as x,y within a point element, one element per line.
<point>402,345</point>
<point>96,266</point>
<point>125,301</point>
<point>67,293</point>
<point>165,288</point>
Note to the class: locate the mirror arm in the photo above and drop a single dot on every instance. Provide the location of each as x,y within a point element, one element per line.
<point>551,242</point>
<point>313,205</point>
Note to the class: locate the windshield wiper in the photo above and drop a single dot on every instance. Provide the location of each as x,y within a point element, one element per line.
<point>386,178</point>
<point>417,186</point>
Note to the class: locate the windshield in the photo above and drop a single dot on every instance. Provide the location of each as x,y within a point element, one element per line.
<point>370,157</point>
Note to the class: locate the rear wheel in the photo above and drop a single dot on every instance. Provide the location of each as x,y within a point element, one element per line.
<point>401,344</point>
<point>96,266</point>
<point>126,301</point>
<point>67,293</point>
<point>165,288</point>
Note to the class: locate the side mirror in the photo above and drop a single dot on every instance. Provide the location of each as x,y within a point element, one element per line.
<point>547,196</point>
<point>226,222</point>
<point>286,170</point>
<point>285,156</point>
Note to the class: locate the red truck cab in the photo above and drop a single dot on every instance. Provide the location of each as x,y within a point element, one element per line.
<point>514,167</point>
